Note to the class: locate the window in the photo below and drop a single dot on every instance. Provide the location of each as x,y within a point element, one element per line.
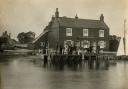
<point>68,31</point>
<point>101,33</point>
<point>68,42</point>
<point>85,44</point>
<point>85,32</point>
<point>42,44</point>
<point>102,44</point>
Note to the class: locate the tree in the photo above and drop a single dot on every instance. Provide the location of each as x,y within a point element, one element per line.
<point>21,37</point>
<point>26,37</point>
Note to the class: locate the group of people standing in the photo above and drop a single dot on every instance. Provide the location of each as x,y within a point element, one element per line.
<point>70,49</point>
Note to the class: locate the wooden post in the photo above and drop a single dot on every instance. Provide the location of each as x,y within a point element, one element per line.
<point>124,39</point>
<point>0,79</point>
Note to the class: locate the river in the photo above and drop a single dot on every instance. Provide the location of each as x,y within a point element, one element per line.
<point>22,73</point>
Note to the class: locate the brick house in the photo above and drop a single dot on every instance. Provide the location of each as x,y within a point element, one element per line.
<point>82,33</point>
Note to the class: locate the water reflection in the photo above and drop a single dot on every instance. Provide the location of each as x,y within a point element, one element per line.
<point>22,73</point>
<point>88,64</point>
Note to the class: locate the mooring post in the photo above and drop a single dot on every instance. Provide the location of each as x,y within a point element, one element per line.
<point>82,56</point>
<point>0,79</point>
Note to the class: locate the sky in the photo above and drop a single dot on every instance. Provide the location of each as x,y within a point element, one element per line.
<point>33,15</point>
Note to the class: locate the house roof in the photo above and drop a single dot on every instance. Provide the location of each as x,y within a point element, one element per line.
<point>42,34</point>
<point>84,23</point>
<point>75,22</point>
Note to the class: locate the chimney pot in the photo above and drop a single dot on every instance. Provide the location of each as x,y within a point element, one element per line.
<point>102,17</point>
<point>57,13</point>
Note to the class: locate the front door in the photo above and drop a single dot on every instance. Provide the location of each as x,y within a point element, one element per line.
<point>94,46</point>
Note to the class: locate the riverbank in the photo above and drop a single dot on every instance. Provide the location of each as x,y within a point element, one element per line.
<point>37,56</point>
<point>8,54</point>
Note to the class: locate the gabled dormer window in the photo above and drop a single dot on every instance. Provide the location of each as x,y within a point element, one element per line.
<point>68,31</point>
<point>85,32</point>
<point>101,33</point>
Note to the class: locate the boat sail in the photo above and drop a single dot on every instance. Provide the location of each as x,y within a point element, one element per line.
<point>122,50</point>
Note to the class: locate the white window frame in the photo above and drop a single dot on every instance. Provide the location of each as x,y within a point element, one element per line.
<point>101,33</point>
<point>85,43</point>
<point>68,31</point>
<point>65,43</point>
<point>85,32</point>
<point>102,44</point>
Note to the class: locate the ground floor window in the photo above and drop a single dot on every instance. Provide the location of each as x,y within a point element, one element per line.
<point>93,46</point>
<point>85,44</point>
<point>42,44</point>
<point>102,44</point>
<point>68,45</point>
<point>68,42</point>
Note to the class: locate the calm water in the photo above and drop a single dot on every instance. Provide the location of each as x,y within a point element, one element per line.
<point>21,73</point>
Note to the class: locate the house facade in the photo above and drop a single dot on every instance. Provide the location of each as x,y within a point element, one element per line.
<point>81,33</point>
<point>6,42</point>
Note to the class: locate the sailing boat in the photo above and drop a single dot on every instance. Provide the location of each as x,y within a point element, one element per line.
<point>122,45</point>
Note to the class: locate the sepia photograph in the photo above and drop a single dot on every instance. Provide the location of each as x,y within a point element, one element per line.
<point>63,44</point>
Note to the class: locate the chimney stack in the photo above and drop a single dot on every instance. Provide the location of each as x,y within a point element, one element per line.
<point>102,17</point>
<point>57,13</point>
<point>76,17</point>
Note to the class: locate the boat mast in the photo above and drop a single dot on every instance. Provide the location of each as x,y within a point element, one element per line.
<point>124,38</point>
